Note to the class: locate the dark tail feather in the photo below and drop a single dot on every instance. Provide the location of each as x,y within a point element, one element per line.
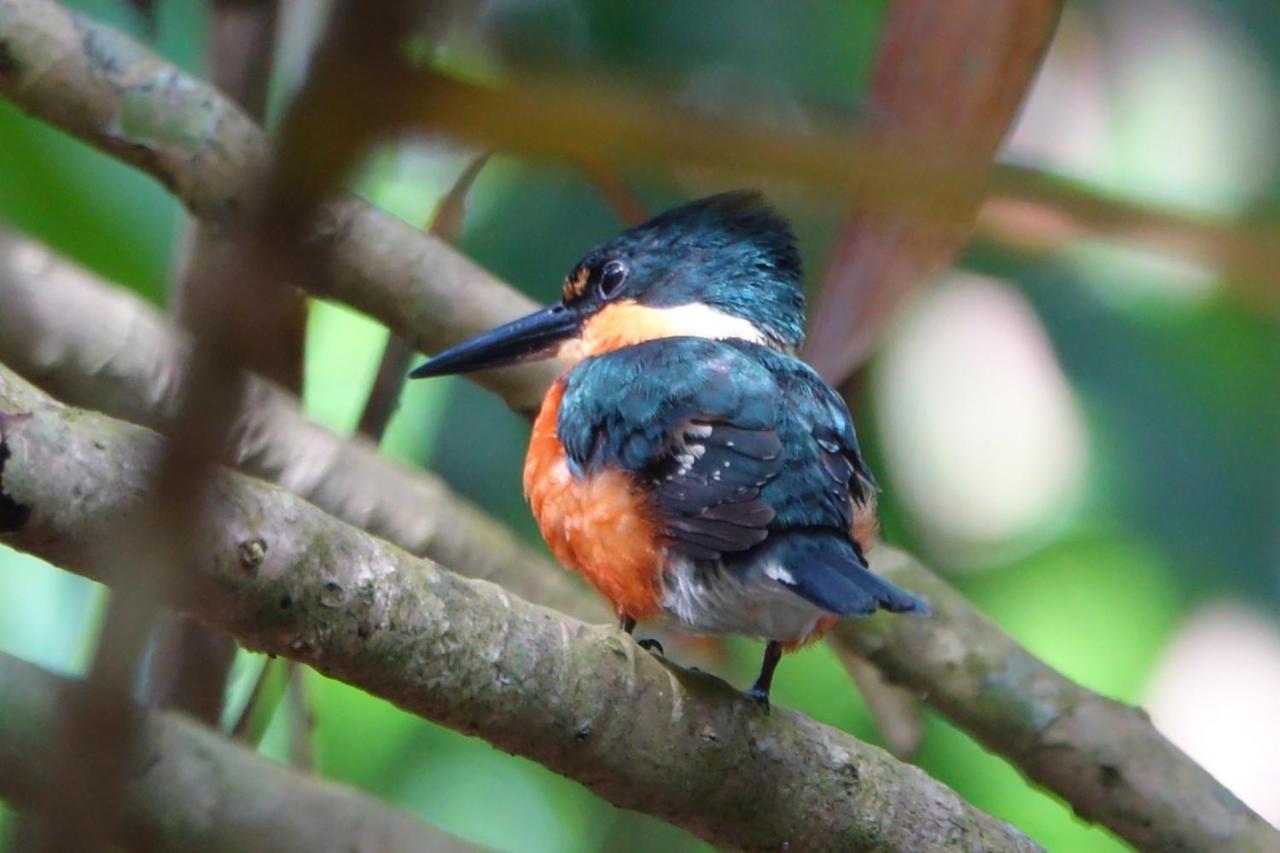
<point>826,569</point>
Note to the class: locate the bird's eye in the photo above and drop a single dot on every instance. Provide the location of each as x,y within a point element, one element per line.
<point>612,276</point>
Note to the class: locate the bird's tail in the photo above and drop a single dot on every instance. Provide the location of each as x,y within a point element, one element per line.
<point>826,569</point>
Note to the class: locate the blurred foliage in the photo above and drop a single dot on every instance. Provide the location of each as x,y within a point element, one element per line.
<point>1180,392</point>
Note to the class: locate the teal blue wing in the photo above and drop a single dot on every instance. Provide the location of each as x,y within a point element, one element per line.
<point>734,441</point>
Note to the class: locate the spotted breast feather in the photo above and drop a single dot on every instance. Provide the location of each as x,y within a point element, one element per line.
<point>754,478</point>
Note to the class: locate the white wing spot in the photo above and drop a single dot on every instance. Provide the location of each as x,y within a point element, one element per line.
<point>779,573</point>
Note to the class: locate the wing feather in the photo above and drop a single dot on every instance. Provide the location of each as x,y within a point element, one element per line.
<point>733,441</point>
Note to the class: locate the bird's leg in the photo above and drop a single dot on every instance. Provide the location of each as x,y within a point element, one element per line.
<point>628,624</point>
<point>649,644</point>
<point>759,691</point>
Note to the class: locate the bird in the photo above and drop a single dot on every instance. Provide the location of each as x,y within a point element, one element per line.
<point>687,463</point>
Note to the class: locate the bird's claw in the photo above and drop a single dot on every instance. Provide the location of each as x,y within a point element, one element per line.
<point>760,697</point>
<point>649,644</point>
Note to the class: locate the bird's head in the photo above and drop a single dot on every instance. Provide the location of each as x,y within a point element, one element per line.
<point>720,267</point>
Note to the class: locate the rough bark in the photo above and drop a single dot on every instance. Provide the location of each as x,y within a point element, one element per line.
<point>190,789</point>
<point>98,84</point>
<point>104,88</point>
<point>585,701</point>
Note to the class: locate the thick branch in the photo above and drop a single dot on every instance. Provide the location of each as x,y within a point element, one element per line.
<point>190,789</point>
<point>585,701</point>
<point>101,347</point>
<point>100,85</point>
<point>1101,756</point>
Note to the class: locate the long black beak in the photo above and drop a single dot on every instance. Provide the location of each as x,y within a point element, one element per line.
<point>534,336</point>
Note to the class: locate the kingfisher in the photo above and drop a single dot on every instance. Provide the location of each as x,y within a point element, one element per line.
<point>687,463</point>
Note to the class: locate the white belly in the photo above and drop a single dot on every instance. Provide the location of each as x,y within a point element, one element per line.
<point>716,602</point>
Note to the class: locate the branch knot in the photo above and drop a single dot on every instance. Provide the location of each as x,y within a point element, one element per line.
<point>13,515</point>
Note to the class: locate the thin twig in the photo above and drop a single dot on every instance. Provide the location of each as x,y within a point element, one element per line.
<point>269,688</point>
<point>896,710</point>
<point>301,719</point>
<point>384,396</point>
<point>188,667</point>
<point>625,205</point>
<point>388,384</point>
<point>916,176</point>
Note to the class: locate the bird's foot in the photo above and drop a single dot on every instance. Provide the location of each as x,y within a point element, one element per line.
<point>760,697</point>
<point>759,692</point>
<point>649,644</point>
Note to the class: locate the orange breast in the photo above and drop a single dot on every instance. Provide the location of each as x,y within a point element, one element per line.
<point>600,526</point>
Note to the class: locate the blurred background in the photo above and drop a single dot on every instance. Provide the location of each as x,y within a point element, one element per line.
<point>1083,435</point>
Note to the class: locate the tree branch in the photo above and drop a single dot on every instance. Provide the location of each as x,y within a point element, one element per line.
<point>957,71</point>
<point>101,347</point>
<point>397,354</point>
<point>584,701</point>
<point>1113,770</point>
<point>1103,757</point>
<point>210,155</point>
<point>190,789</point>
<point>353,81</point>
<point>434,296</point>
<point>188,667</point>
<point>190,663</point>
